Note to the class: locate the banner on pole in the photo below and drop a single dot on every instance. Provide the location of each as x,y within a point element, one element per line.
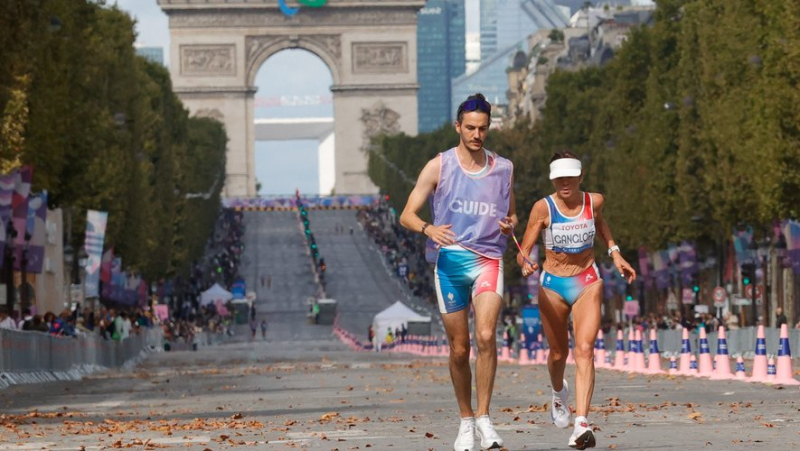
<point>95,236</point>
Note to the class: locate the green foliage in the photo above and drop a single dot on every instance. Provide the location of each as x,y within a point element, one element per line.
<point>693,127</point>
<point>104,131</point>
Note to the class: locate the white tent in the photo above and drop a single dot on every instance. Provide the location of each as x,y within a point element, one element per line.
<point>214,294</point>
<point>394,317</point>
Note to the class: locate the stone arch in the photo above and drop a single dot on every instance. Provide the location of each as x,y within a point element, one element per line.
<point>218,47</point>
<point>261,48</point>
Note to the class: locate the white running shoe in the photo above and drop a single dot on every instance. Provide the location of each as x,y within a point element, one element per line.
<point>582,437</point>
<point>487,434</point>
<point>466,435</point>
<point>559,407</point>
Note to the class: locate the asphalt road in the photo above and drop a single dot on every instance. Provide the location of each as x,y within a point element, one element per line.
<point>317,395</point>
<point>356,274</point>
<point>302,389</point>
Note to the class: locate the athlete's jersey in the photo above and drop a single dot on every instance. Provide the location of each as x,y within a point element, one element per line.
<point>570,234</point>
<point>472,205</point>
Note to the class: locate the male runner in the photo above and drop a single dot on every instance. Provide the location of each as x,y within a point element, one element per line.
<point>472,209</point>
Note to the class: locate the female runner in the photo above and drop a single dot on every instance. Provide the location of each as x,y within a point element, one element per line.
<point>570,283</point>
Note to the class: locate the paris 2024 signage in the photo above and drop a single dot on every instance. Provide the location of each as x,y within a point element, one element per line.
<point>292,11</point>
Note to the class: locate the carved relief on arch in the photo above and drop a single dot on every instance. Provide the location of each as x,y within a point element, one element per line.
<point>330,44</point>
<point>378,120</point>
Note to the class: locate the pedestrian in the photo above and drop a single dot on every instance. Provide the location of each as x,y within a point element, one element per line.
<point>780,317</point>
<point>472,209</point>
<point>570,283</point>
<point>263,329</point>
<point>253,327</point>
<point>6,322</point>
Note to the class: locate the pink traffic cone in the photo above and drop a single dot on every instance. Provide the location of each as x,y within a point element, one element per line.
<point>471,348</point>
<point>505,353</point>
<point>640,366</point>
<point>740,374</point>
<point>771,371</point>
<point>444,350</point>
<point>654,361</point>
<point>673,365</point>
<point>692,366</point>
<point>541,355</point>
<point>784,374</point>
<point>760,360</point>
<point>686,354</point>
<point>630,362</point>
<point>706,368</point>
<point>524,357</point>
<point>599,350</point>
<point>619,354</point>
<point>723,362</point>
<point>571,354</point>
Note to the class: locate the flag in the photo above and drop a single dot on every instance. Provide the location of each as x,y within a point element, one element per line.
<point>95,236</point>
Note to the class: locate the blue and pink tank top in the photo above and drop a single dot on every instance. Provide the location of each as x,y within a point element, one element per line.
<point>570,234</point>
<point>472,204</point>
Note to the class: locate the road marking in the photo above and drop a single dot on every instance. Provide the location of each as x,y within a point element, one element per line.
<point>177,440</point>
<point>109,403</point>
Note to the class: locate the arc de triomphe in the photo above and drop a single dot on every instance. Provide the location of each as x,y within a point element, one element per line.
<point>370,46</point>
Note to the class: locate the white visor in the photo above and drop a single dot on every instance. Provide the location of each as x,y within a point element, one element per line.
<point>565,167</point>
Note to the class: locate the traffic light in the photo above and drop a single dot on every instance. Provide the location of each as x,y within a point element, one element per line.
<point>696,287</point>
<point>628,298</point>
<point>748,273</point>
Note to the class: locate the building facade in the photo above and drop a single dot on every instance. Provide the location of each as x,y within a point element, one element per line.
<point>591,39</point>
<point>441,57</point>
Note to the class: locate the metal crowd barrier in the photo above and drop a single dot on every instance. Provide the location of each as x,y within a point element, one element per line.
<point>29,357</point>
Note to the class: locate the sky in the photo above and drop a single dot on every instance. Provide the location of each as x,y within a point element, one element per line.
<point>281,166</point>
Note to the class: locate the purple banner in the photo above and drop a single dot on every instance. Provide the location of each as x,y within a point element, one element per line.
<point>36,227</point>
<point>661,269</point>
<point>688,258</point>
<point>791,231</point>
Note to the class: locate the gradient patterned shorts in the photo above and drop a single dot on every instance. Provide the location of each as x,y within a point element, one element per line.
<point>570,288</point>
<point>461,275</point>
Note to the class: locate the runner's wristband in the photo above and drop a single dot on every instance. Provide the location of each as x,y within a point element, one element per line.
<point>424,226</point>
<point>612,249</point>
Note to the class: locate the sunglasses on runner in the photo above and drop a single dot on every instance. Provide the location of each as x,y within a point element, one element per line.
<point>476,104</point>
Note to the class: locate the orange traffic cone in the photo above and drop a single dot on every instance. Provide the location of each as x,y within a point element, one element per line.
<point>760,360</point>
<point>723,362</point>
<point>785,375</point>
<point>654,361</point>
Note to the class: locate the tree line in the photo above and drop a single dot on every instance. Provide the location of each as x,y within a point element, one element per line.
<point>692,130</point>
<point>104,131</point>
